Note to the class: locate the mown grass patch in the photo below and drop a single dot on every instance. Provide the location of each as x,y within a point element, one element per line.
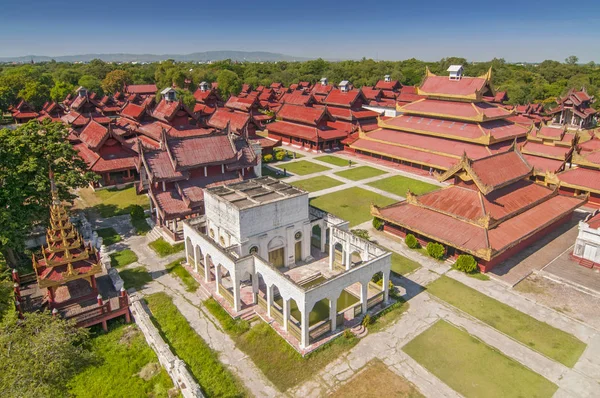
<point>316,183</point>
<point>234,327</point>
<point>135,278</point>
<point>303,167</point>
<point>334,160</point>
<point>175,267</point>
<point>398,185</point>
<point>537,335</point>
<point>402,265</point>
<point>141,226</point>
<point>164,248</point>
<point>122,258</point>
<point>109,236</point>
<point>360,173</point>
<point>214,378</point>
<point>127,367</point>
<point>111,202</point>
<point>352,204</point>
<point>457,358</point>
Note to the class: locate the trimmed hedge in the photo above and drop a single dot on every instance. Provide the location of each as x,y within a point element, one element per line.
<point>377,223</point>
<point>268,158</point>
<point>435,250</point>
<point>137,212</point>
<point>411,241</point>
<point>466,263</point>
<point>279,156</point>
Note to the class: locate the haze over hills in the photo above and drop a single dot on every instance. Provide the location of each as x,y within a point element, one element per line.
<point>252,56</point>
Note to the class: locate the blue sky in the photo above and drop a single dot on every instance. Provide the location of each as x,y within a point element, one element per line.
<point>526,30</point>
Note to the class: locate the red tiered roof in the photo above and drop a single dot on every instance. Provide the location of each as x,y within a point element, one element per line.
<point>456,110</point>
<point>222,117</point>
<point>443,86</point>
<point>141,89</point>
<point>388,85</point>
<point>302,114</point>
<point>347,99</point>
<point>242,104</point>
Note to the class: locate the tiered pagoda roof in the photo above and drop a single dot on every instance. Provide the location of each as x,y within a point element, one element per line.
<point>548,149</point>
<point>449,116</point>
<point>65,257</point>
<point>492,207</point>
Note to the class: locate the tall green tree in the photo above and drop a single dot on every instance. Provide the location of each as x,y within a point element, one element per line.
<point>115,80</point>
<point>229,83</point>
<point>35,93</point>
<point>92,83</point>
<point>60,91</point>
<point>26,155</point>
<point>39,354</point>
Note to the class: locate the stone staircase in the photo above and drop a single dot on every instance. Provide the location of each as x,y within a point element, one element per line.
<point>586,263</point>
<point>154,234</point>
<point>359,331</point>
<point>249,316</point>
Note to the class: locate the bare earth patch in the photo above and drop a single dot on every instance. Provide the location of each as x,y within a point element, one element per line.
<point>562,298</point>
<point>376,380</point>
<point>149,371</point>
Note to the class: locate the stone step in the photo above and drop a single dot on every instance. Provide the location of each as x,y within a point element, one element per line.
<point>248,316</point>
<point>586,263</point>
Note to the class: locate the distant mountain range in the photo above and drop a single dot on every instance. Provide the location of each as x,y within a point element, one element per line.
<point>251,56</point>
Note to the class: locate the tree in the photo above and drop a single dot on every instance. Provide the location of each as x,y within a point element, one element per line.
<point>60,91</point>
<point>466,263</point>
<point>26,155</point>
<point>91,83</point>
<point>571,60</point>
<point>229,83</point>
<point>39,354</point>
<point>435,250</point>
<point>188,98</point>
<point>115,81</point>
<point>35,93</point>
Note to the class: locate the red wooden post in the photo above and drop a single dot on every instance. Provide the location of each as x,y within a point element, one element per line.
<point>104,326</point>
<point>15,276</point>
<point>93,283</point>
<point>100,303</point>
<point>19,309</point>
<point>50,298</point>
<point>54,313</point>
<point>17,291</point>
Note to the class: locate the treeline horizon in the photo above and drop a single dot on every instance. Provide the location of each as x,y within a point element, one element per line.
<point>53,81</point>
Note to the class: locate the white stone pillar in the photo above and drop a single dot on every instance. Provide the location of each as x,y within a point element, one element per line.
<point>323,238</point>
<point>364,293</point>
<point>254,289</point>
<point>195,260</point>
<point>386,285</point>
<point>286,313</point>
<point>206,269</point>
<point>305,327</point>
<point>269,299</point>
<point>237,305</point>
<point>348,256</point>
<point>331,255</point>
<point>205,172</point>
<point>218,277</point>
<point>333,312</point>
<point>187,251</point>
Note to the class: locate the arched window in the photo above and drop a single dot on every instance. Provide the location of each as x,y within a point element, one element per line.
<point>253,250</point>
<point>212,233</point>
<point>222,241</point>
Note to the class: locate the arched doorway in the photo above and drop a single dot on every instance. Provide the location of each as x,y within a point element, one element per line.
<point>315,238</point>
<point>276,249</point>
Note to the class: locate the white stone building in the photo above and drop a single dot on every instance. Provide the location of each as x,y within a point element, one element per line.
<point>587,245</point>
<point>261,246</point>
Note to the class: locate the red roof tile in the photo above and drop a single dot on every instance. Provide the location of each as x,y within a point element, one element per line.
<point>222,116</point>
<point>342,98</point>
<point>141,89</point>
<point>442,85</point>
<point>302,114</point>
<point>94,134</point>
<point>581,177</point>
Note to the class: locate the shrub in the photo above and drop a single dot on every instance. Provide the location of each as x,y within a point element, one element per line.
<point>268,158</point>
<point>366,320</point>
<point>137,212</point>
<point>348,334</point>
<point>435,250</point>
<point>361,233</point>
<point>411,241</point>
<point>377,223</point>
<point>279,156</point>
<point>466,263</point>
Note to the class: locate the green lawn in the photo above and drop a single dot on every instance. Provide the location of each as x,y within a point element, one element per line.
<point>316,183</point>
<point>398,185</point>
<point>109,236</point>
<point>141,226</point>
<point>334,160</point>
<point>111,202</point>
<point>214,378</point>
<point>360,173</point>
<point>127,367</point>
<point>303,167</point>
<point>164,248</point>
<point>402,265</point>
<point>266,171</point>
<point>234,327</point>
<point>175,267</point>
<point>352,204</point>
<point>280,363</point>
<point>122,258</point>
<point>535,334</point>
<point>473,368</point>
<point>135,277</point>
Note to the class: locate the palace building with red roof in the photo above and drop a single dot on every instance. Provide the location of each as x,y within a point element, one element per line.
<point>574,110</point>
<point>451,118</point>
<point>23,112</point>
<point>548,149</point>
<point>492,211</point>
<point>207,101</point>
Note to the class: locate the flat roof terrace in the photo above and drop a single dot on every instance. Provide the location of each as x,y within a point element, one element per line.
<point>256,192</point>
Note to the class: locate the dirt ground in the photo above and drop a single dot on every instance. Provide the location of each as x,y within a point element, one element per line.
<point>563,298</point>
<point>376,380</point>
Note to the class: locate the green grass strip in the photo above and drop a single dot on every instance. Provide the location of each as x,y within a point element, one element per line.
<point>164,248</point>
<point>214,378</point>
<point>473,368</point>
<point>175,267</point>
<point>316,183</point>
<point>123,258</point>
<point>334,160</point>
<point>537,335</point>
<point>109,236</point>
<point>360,173</point>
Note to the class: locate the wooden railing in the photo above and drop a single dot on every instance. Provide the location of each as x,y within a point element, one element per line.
<point>373,301</point>
<point>96,312</point>
<point>277,315</point>
<point>339,320</point>
<point>320,329</point>
<point>262,303</point>
<point>357,309</point>
<point>226,294</point>
<point>295,330</point>
<point>201,271</point>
